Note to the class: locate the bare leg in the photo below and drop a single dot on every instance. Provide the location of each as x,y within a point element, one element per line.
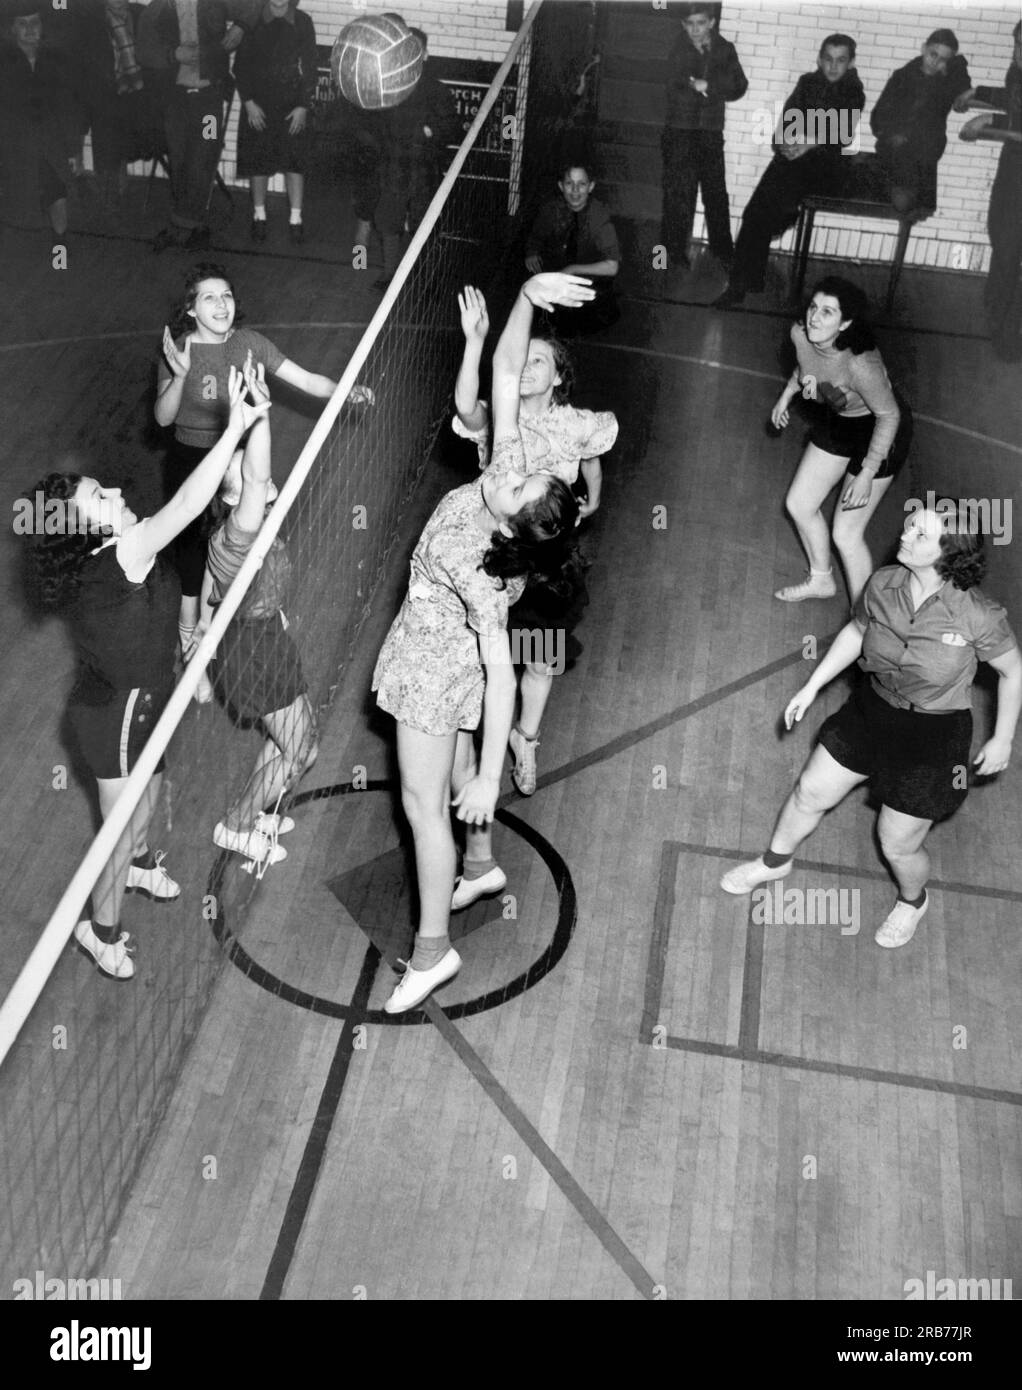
<point>283,759</point>
<point>850,540</point>
<point>426,762</point>
<point>108,894</point>
<point>816,476</point>
<point>901,839</point>
<point>258,184</point>
<point>822,784</point>
<point>537,682</point>
<point>478,839</point>
<point>58,216</point>
<point>295,184</point>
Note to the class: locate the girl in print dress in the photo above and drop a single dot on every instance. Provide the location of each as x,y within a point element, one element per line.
<point>445,667</point>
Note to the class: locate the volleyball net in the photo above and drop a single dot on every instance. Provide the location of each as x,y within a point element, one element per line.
<point>87,1063</point>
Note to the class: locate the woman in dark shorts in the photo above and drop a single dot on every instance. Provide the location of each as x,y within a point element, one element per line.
<point>258,672</point>
<point>861,432</point>
<point>919,629</point>
<point>104,568</point>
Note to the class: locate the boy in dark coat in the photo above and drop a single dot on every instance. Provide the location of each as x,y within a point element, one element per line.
<point>704,74</point>
<point>910,120</point>
<point>820,118</point>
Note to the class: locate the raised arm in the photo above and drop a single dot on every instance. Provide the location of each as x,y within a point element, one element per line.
<point>170,389</point>
<point>255,462</point>
<point>543,291</point>
<point>475,324</point>
<point>138,547</point>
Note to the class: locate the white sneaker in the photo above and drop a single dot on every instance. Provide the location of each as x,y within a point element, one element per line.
<point>523,773</point>
<point>743,878</point>
<point>255,845</point>
<point>270,823</point>
<point>469,890</point>
<point>817,584</point>
<point>899,926</point>
<point>112,957</point>
<point>154,883</point>
<point>415,985</point>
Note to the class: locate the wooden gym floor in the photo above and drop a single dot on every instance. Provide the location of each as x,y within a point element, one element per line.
<point>632,1090</point>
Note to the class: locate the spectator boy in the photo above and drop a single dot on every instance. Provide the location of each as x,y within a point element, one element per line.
<point>573,232</point>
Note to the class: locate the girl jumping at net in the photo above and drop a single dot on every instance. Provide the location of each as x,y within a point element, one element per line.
<point>446,662</point>
<point>259,673</point>
<point>105,570</point>
<point>860,433</point>
<point>200,346</point>
<point>558,438</point>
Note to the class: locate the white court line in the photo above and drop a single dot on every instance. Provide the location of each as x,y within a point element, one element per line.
<point>156,333</point>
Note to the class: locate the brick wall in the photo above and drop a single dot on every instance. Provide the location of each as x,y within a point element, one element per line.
<point>778,41</point>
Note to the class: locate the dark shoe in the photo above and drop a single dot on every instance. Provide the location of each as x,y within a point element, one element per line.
<point>258,229</point>
<point>296,233</point>
<point>198,240</point>
<point>725,259</point>
<point>168,237</point>
<point>730,299</point>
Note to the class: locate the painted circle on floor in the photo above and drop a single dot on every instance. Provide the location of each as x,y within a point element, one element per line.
<point>564,927</point>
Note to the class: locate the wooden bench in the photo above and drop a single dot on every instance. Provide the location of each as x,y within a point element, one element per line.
<point>858,208</point>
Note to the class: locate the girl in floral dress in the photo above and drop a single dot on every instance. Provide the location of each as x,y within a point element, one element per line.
<point>446,664</point>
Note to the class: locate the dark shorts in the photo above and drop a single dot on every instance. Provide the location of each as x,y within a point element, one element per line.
<point>848,436</point>
<point>916,763</point>
<point>188,550</point>
<point>538,610</point>
<point>258,669</point>
<point>112,735</point>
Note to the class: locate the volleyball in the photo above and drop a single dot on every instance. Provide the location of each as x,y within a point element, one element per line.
<point>376,62</point>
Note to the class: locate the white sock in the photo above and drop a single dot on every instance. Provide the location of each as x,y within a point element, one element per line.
<point>258,212</point>
<point>296,217</point>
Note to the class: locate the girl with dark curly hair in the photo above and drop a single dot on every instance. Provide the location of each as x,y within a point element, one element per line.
<point>200,346</point>
<point>557,437</point>
<point>446,662</point>
<point>860,431</point>
<point>103,568</point>
<point>919,629</point>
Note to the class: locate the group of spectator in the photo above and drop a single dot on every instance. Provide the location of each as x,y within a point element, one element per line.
<point>909,123</point>
<point>157,80</point>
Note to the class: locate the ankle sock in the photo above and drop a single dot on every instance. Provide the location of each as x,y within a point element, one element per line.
<point>145,860</point>
<point>913,902</point>
<point>475,868</point>
<point>773,860</point>
<point>296,217</point>
<point>108,935</point>
<point>529,738</point>
<point>258,212</point>
<point>429,950</point>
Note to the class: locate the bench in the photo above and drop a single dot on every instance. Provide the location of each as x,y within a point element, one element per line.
<point>858,208</point>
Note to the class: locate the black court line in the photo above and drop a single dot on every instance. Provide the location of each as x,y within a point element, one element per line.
<point>888,1078</point>
<point>316,1142</point>
<point>541,1150</point>
<point>623,742</point>
<point>747,1049</point>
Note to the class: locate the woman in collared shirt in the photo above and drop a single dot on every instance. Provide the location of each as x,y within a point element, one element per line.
<point>919,630</point>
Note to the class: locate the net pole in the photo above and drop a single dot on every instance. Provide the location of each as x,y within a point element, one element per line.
<point>37,969</point>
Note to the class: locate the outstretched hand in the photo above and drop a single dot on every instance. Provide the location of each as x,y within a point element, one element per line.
<point>179,360</point>
<point>553,287</point>
<point>243,414</point>
<point>255,380</point>
<point>797,706</point>
<point>475,321</point>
